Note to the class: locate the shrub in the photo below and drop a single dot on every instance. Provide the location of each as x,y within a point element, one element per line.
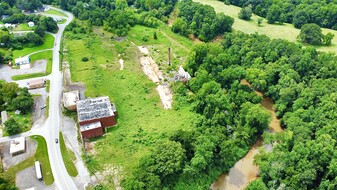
<point>85,59</point>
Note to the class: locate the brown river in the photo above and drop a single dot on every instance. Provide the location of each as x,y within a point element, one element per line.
<point>244,171</point>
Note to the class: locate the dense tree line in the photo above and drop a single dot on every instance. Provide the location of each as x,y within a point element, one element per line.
<point>201,21</point>
<point>299,12</point>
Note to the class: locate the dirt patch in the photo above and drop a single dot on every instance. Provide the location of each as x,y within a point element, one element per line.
<point>112,172</point>
<point>194,39</point>
<point>8,160</point>
<point>151,69</point>
<point>68,84</point>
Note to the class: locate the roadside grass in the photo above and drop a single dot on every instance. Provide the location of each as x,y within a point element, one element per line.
<point>47,86</point>
<point>28,76</point>
<point>47,55</point>
<point>24,121</point>
<point>55,12</point>
<point>62,21</point>
<point>142,120</point>
<point>275,31</point>
<point>68,158</point>
<point>40,155</point>
<point>48,44</point>
<point>23,27</point>
<point>47,107</point>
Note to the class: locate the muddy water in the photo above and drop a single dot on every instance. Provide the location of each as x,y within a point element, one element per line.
<point>244,171</point>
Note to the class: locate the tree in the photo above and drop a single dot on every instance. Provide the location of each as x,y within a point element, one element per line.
<point>34,39</point>
<point>246,13</point>
<point>328,38</point>
<point>257,185</point>
<point>180,27</point>
<point>121,5</point>
<point>12,127</point>
<point>259,21</point>
<point>311,34</point>
<point>301,17</point>
<point>23,103</point>
<point>274,14</point>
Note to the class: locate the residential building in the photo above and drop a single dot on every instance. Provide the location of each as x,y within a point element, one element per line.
<point>37,83</point>
<point>31,24</point>
<point>23,62</point>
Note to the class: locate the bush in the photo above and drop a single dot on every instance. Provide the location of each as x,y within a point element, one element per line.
<point>12,127</point>
<point>85,59</point>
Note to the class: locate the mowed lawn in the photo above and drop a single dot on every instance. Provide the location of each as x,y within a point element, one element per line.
<point>55,12</point>
<point>274,31</point>
<point>48,44</point>
<point>142,121</point>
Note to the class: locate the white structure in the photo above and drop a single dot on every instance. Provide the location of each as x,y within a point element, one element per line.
<point>23,62</point>
<point>8,25</point>
<point>38,170</point>
<point>4,117</point>
<point>70,99</point>
<point>183,74</point>
<point>31,24</point>
<point>17,146</point>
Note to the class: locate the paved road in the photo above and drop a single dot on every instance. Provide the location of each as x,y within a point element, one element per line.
<point>62,178</point>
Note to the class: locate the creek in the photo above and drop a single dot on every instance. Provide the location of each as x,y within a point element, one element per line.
<point>244,171</point>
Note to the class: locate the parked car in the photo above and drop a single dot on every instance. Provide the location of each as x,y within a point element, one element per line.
<point>56,140</point>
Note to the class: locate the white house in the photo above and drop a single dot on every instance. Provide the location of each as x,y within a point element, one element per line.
<point>23,62</point>
<point>31,24</point>
<point>8,25</point>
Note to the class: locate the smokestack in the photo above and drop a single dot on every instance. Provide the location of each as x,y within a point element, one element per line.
<point>169,56</point>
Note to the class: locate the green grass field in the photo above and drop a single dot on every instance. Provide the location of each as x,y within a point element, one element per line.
<point>274,31</point>
<point>48,44</point>
<point>68,158</point>
<point>40,155</point>
<point>55,12</point>
<point>142,119</point>
<point>24,27</point>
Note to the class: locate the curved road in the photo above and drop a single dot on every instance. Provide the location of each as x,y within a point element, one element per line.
<point>53,123</point>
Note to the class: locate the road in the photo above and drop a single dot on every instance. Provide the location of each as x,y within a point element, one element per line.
<point>62,178</point>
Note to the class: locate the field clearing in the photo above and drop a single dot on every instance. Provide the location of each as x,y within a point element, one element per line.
<point>142,119</point>
<point>48,44</point>
<point>285,31</point>
<point>55,12</point>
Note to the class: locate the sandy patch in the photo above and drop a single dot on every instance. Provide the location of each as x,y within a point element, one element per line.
<point>150,68</point>
<point>121,62</point>
<point>165,95</point>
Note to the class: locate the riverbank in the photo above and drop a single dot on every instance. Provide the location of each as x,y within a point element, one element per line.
<point>244,171</point>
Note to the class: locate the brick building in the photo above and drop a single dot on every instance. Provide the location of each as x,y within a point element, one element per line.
<point>94,115</point>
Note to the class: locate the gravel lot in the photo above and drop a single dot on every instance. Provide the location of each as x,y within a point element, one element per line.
<point>27,179</point>
<point>9,160</point>
<point>7,72</point>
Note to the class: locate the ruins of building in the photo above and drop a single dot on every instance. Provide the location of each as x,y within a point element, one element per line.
<point>92,111</point>
<point>70,99</point>
<point>17,146</point>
